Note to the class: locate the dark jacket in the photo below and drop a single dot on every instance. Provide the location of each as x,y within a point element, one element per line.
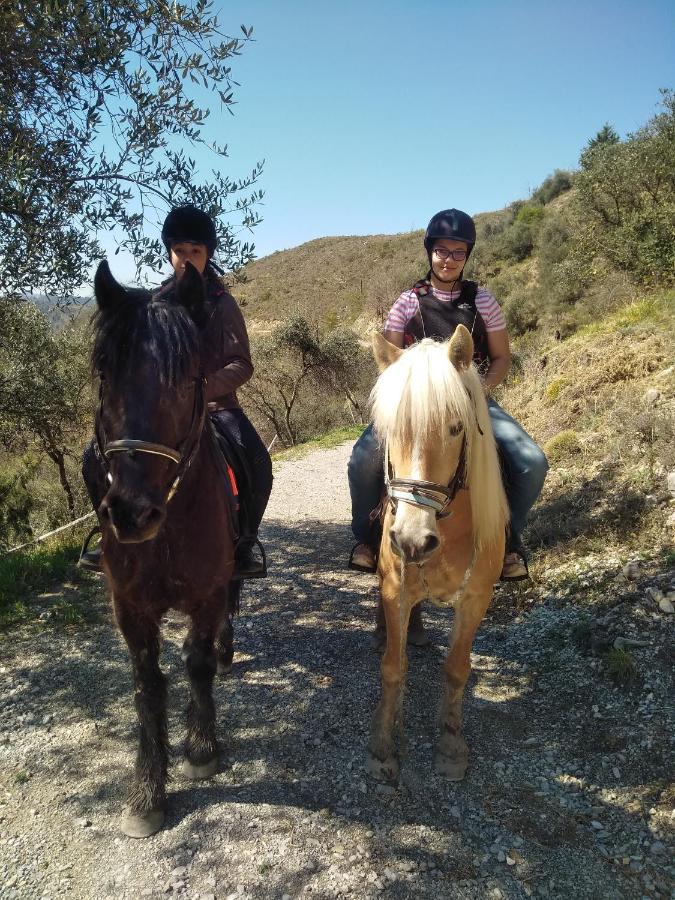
<point>225,351</point>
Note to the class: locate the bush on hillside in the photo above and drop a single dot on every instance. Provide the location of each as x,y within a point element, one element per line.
<point>626,193</point>
<point>522,310</point>
<point>552,187</point>
<point>531,215</point>
<point>16,502</point>
<point>516,242</point>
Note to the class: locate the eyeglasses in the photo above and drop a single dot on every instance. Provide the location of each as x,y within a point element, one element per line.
<point>443,253</point>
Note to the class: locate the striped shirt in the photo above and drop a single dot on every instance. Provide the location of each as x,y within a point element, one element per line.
<point>407,306</point>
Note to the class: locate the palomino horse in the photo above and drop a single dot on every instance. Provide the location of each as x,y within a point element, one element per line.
<point>443,533</point>
<point>167,540</point>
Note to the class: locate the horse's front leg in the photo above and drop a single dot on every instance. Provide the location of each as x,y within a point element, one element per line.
<point>382,758</point>
<point>452,756</point>
<point>146,804</point>
<point>199,653</point>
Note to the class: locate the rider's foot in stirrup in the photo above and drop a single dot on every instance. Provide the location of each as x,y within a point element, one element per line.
<point>515,567</point>
<point>90,559</point>
<point>248,563</point>
<point>362,558</point>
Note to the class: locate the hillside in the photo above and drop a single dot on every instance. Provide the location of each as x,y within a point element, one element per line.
<point>331,279</point>
<point>602,404</point>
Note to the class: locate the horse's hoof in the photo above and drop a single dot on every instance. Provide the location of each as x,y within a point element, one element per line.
<point>452,769</point>
<point>378,640</point>
<point>224,666</point>
<point>418,638</point>
<point>142,825</point>
<point>197,773</point>
<point>383,769</point>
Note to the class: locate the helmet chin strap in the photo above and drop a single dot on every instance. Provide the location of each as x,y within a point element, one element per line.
<point>452,281</point>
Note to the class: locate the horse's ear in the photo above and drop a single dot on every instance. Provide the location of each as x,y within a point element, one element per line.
<point>460,349</point>
<point>107,291</point>
<point>191,293</point>
<point>385,353</point>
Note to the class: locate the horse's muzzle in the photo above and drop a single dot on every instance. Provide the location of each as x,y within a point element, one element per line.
<point>132,521</point>
<point>417,548</point>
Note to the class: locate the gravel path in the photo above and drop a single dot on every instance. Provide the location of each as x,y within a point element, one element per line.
<point>567,794</point>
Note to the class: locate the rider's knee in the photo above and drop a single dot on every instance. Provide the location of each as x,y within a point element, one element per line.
<point>535,463</point>
<point>365,460</point>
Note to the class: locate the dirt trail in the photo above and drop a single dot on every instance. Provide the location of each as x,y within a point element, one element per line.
<point>566,796</point>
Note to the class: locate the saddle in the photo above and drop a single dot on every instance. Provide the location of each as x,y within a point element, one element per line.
<point>238,480</point>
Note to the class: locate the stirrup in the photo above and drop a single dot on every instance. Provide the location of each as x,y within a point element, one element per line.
<point>259,573</point>
<point>91,559</point>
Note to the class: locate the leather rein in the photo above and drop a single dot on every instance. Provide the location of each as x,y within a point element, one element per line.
<point>182,457</point>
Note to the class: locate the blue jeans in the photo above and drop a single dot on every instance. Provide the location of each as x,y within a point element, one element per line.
<point>524,469</point>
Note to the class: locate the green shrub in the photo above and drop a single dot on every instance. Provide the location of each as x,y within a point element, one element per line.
<point>620,666</point>
<point>517,241</point>
<point>552,391</point>
<point>553,186</point>
<point>562,444</point>
<point>16,501</point>
<point>522,310</point>
<point>530,214</point>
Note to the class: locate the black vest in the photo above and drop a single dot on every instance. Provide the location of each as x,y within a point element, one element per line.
<point>437,319</point>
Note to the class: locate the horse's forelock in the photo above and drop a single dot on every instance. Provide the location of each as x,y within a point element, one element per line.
<point>139,328</point>
<point>421,394</point>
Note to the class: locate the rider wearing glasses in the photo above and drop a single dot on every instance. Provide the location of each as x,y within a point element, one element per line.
<point>433,308</point>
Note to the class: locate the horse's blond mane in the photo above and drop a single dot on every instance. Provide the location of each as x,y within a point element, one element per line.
<point>420,396</point>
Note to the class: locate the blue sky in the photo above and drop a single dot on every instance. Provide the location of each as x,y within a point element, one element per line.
<point>371,116</point>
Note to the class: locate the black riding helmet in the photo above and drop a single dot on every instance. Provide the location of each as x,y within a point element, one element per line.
<point>187,223</point>
<point>453,225</point>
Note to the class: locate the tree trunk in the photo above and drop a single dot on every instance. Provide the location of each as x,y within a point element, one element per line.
<point>57,457</point>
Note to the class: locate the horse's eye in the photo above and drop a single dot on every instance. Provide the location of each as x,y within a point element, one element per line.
<point>456,429</point>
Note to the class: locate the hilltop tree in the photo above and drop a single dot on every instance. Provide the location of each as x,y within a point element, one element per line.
<point>98,120</point>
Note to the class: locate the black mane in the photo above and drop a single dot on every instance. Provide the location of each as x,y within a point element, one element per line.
<point>161,327</point>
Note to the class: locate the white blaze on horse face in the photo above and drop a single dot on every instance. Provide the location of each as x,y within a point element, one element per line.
<point>414,526</point>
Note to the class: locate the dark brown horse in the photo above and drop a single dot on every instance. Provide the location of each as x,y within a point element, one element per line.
<point>167,539</point>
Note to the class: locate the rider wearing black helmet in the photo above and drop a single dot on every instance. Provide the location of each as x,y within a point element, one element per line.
<point>189,235</point>
<point>433,308</point>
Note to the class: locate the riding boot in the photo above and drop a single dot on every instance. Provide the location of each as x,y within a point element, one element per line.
<point>248,563</point>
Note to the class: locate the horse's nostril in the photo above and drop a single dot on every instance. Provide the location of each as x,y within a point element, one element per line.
<point>154,515</point>
<point>431,543</point>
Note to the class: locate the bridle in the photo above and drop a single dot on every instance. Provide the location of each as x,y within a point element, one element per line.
<point>425,494</point>
<point>182,457</point>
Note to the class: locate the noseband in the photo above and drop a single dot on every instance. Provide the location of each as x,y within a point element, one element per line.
<point>426,494</point>
<point>182,457</point>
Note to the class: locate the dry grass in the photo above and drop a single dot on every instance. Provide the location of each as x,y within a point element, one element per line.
<point>584,399</point>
